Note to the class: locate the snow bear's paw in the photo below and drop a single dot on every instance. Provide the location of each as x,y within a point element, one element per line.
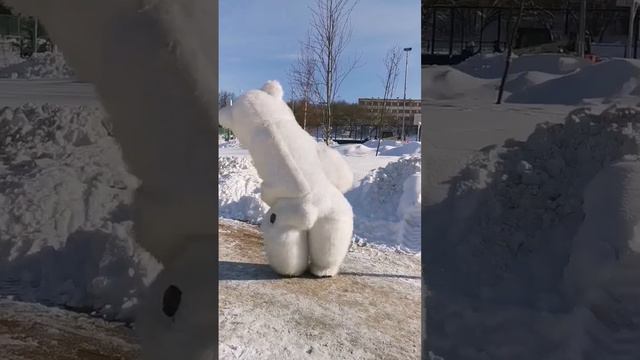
<point>324,272</point>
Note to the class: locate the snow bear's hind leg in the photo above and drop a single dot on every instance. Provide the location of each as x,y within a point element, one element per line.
<point>329,241</point>
<point>286,248</point>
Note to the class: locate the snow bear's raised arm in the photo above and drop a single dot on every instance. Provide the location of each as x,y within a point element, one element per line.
<point>335,168</point>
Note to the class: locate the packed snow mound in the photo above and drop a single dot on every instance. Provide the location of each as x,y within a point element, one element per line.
<point>448,83</point>
<point>491,66</point>
<point>524,80</point>
<point>411,148</point>
<point>610,79</point>
<point>385,205</point>
<point>383,143</point>
<point>8,57</point>
<point>239,190</point>
<point>604,269</point>
<point>355,150</point>
<point>516,216</point>
<point>46,65</point>
<point>65,223</point>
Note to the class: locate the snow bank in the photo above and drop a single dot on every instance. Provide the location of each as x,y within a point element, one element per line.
<point>611,79</point>
<point>8,56</point>
<point>535,79</point>
<point>239,190</point>
<point>525,80</point>
<point>491,66</point>
<point>411,148</point>
<point>391,143</point>
<point>355,150</point>
<point>385,205</point>
<point>46,65</point>
<point>511,223</point>
<point>448,83</point>
<point>65,228</point>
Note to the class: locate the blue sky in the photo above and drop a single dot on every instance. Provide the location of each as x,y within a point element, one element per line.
<point>259,40</point>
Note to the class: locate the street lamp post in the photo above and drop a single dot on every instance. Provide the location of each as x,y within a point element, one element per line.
<point>404,98</point>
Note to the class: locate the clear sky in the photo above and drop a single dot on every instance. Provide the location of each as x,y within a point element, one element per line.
<point>259,40</point>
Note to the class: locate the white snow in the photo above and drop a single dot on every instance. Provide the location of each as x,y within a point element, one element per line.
<point>504,214</point>
<point>534,79</point>
<point>384,204</point>
<point>46,65</point>
<point>65,231</point>
<point>239,190</point>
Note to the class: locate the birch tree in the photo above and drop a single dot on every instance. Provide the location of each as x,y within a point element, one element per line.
<point>390,80</point>
<point>329,36</point>
<point>303,79</point>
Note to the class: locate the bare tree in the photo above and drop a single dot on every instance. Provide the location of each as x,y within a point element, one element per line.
<point>390,80</point>
<point>512,37</point>
<point>330,34</point>
<point>303,79</point>
<point>224,98</point>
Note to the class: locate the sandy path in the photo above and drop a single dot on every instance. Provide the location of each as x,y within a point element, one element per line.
<point>370,311</point>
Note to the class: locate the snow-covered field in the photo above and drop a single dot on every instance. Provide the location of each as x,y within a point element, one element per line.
<point>385,204</point>
<point>531,209</point>
<point>46,65</point>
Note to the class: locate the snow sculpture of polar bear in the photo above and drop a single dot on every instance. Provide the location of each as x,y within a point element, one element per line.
<point>310,223</point>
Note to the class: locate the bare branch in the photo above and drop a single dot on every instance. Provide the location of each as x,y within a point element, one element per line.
<point>330,34</point>
<point>390,80</point>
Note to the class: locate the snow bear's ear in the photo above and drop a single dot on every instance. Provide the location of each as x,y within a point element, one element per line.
<point>273,88</point>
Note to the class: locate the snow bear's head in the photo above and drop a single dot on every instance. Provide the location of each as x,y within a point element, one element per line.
<point>177,318</point>
<point>254,107</point>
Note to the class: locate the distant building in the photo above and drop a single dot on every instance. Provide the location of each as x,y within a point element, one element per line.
<point>395,108</point>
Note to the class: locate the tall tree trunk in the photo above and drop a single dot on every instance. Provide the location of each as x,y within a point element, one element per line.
<point>507,63</point>
<point>304,115</point>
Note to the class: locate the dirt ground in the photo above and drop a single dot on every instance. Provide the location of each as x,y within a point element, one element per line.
<point>369,311</point>
<point>36,332</point>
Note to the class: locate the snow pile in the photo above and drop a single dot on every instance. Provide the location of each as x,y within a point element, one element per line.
<point>411,148</point>
<point>491,66</point>
<point>7,56</point>
<point>611,79</point>
<point>448,83</point>
<point>383,143</point>
<point>522,81</point>
<point>385,205</point>
<point>65,228</point>
<point>535,79</point>
<point>239,190</point>
<point>355,150</point>
<point>46,65</point>
<point>510,225</point>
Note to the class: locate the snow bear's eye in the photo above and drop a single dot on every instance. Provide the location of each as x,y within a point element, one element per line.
<point>272,219</point>
<point>171,300</point>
